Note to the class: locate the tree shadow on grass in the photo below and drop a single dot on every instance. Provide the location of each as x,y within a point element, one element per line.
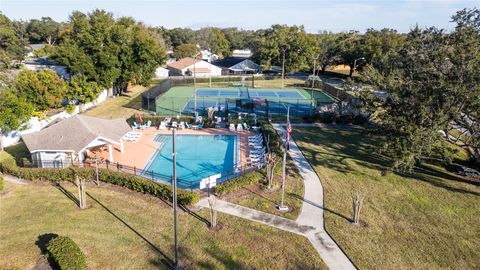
<point>42,242</point>
<point>316,205</point>
<point>67,193</point>
<point>165,260</point>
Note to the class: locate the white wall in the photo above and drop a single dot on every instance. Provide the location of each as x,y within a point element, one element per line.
<point>161,73</point>
<point>215,71</point>
<point>35,124</point>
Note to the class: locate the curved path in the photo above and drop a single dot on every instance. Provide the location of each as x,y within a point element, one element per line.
<point>310,222</point>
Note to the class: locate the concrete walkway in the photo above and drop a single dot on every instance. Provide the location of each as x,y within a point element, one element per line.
<point>13,180</point>
<point>309,223</point>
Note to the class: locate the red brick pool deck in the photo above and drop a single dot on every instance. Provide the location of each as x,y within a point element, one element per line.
<point>137,154</point>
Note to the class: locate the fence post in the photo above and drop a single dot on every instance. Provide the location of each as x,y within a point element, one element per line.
<point>118,167</point>
<point>153,179</point>
<point>107,162</point>
<point>134,170</point>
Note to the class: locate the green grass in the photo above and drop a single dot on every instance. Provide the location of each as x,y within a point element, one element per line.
<point>257,197</point>
<point>128,230</point>
<point>428,220</point>
<point>123,106</point>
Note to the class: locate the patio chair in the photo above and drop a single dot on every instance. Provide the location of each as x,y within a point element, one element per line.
<point>162,126</point>
<point>181,125</point>
<point>188,125</point>
<point>135,125</point>
<point>245,126</point>
<point>200,126</point>
<point>255,128</point>
<point>239,127</point>
<point>174,124</point>
<point>231,127</point>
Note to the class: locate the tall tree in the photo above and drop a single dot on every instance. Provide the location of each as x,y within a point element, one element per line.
<point>45,89</point>
<point>270,45</point>
<point>14,112</point>
<point>43,30</point>
<point>185,50</point>
<point>81,90</point>
<point>432,82</point>
<point>12,43</point>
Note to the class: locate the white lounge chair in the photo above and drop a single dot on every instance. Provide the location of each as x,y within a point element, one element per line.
<point>231,127</point>
<point>246,127</point>
<point>181,125</point>
<point>162,126</point>
<point>239,127</point>
<point>174,125</point>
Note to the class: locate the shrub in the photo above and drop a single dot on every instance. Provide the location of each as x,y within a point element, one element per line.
<point>1,183</point>
<point>238,182</point>
<point>275,140</point>
<point>325,117</point>
<point>66,253</point>
<point>129,181</point>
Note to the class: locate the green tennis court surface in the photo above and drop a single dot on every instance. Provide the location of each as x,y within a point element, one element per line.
<point>181,100</point>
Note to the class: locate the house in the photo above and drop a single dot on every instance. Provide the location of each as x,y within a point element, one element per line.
<point>161,73</point>
<point>67,141</point>
<point>208,56</point>
<point>247,53</point>
<point>45,62</point>
<point>189,67</point>
<point>237,66</point>
<point>34,47</point>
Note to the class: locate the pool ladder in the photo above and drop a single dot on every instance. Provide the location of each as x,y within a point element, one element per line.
<point>161,140</point>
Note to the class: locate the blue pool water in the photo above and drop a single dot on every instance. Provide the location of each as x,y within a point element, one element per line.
<point>198,156</point>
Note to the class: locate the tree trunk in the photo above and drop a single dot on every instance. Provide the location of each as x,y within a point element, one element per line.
<point>352,69</point>
<point>324,68</point>
<point>1,140</point>
<point>81,193</point>
<point>213,212</point>
<point>357,206</point>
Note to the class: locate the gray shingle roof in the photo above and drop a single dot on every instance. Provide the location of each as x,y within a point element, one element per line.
<point>75,133</point>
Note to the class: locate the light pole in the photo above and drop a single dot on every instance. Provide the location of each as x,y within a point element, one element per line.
<point>174,183</point>
<point>283,65</point>
<point>195,83</point>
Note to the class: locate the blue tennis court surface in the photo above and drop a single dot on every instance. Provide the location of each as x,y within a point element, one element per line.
<point>249,93</point>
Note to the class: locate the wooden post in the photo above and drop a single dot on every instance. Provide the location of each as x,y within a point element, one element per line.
<point>107,162</point>
<point>118,166</point>
<point>134,170</point>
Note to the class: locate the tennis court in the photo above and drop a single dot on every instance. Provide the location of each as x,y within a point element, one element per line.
<point>181,100</point>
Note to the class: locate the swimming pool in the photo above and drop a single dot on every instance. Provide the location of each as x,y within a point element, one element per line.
<point>198,156</point>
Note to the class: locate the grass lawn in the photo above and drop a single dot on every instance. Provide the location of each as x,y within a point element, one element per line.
<point>123,106</point>
<point>428,220</point>
<point>261,199</point>
<point>122,229</point>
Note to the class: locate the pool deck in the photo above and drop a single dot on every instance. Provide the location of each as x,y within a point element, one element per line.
<point>138,154</point>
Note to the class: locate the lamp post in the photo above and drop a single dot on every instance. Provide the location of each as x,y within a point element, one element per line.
<point>283,65</point>
<point>174,184</point>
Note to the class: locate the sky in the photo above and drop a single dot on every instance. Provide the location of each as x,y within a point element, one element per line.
<point>315,15</point>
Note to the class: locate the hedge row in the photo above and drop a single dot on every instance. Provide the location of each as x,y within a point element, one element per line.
<point>129,181</point>
<point>66,253</point>
<point>238,182</point>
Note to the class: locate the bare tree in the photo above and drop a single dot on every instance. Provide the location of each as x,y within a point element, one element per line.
<point>357,206</point>
<point>271,162</point>
<point>212,201</point>
<point>81,192</point>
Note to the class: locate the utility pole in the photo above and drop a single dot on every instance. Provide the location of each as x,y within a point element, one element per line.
<point>174,183</point>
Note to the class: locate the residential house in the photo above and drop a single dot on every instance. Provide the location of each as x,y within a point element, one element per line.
<point>45,62</point>
<point>189,67</point>
<point>237,66</point>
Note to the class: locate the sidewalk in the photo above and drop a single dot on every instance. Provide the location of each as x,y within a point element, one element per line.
<point>310,222</point>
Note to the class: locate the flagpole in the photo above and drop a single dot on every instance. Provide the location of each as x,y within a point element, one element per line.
<point>174,184</point>
<point>283,207</point>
